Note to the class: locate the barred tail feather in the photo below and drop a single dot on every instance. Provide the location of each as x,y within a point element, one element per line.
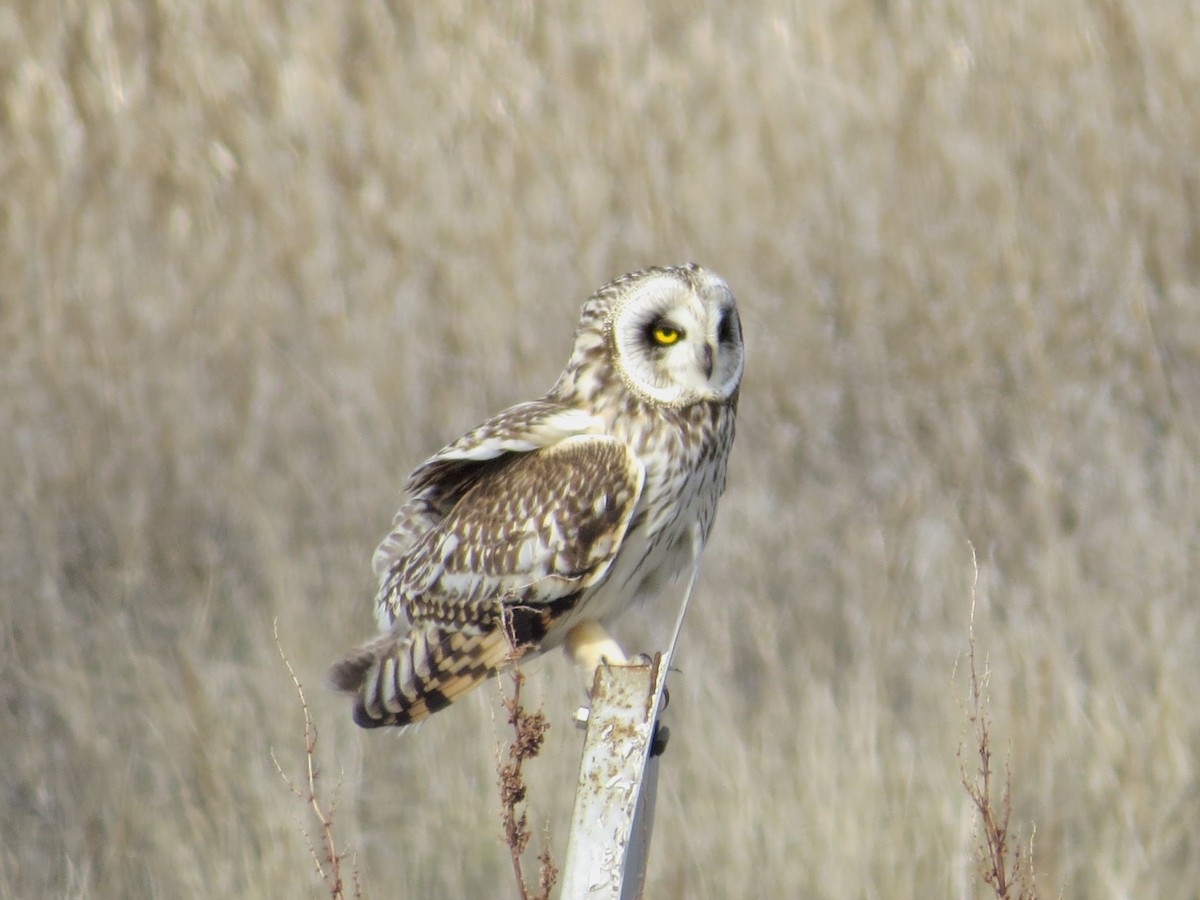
<point>402,679</point>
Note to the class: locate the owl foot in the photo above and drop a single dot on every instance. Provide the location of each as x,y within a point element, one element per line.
<point>658,743</point>
<point>589,646</point>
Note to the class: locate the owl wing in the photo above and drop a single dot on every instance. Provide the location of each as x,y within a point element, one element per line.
<point>441,481</point>
<point>526,537</point>
<point>531,528</point>
<point>518,429</point>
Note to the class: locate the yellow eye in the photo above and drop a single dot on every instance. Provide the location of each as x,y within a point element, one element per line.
<point>665,335</point>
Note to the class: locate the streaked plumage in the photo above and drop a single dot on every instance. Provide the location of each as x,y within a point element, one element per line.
<point>553,516</point>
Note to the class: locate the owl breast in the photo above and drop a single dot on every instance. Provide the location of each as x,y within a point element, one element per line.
<point>685,455</point>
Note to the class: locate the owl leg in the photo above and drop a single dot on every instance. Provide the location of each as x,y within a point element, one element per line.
<point>589,645</point>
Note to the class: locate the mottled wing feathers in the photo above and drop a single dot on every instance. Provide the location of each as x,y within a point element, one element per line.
<point>537,527</point>
<point>439,483</point>
<point>526,538</point>
<point>518,429</point>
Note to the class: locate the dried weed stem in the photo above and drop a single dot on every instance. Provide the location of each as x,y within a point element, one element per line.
<point>1001,863</point>
<point>327,859</point>
<point>529,731</point>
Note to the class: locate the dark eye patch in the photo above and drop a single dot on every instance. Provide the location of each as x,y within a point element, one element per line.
<point>727,328</point>
<point>662,332</point>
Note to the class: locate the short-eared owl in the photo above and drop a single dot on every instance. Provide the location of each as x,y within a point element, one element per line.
<point>538,527</point>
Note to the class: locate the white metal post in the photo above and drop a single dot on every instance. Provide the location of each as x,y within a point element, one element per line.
<point>618,778</point>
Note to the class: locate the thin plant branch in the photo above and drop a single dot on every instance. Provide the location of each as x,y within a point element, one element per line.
<point>529,732</point>
<point>1005,869</point>
<point>327,859</point>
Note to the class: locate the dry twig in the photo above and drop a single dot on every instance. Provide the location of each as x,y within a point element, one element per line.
<point>1002,865</point>
<point>529,731</point>
<point>328,860</point>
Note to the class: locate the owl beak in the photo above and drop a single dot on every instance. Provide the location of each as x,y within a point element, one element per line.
<point>708,360</point>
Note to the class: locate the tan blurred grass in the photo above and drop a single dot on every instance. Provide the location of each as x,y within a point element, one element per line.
<point>257,260</point>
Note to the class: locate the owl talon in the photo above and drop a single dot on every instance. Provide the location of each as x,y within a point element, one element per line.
<point>658,743</point>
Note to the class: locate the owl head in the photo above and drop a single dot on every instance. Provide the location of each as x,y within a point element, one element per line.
<point>671,335</point>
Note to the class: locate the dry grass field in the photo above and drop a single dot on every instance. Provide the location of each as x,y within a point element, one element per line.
<point>257,260</point>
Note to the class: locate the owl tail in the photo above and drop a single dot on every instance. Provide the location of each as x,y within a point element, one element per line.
<point>401,679</point>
